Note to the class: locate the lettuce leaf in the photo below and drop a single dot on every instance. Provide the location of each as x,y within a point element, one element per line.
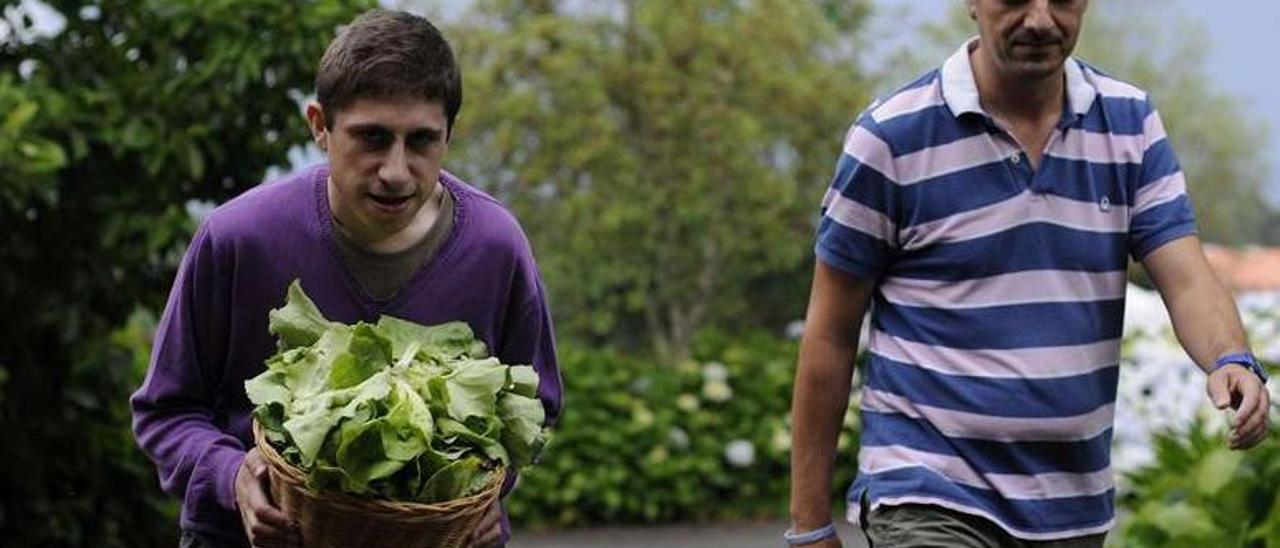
<point>393,409</point>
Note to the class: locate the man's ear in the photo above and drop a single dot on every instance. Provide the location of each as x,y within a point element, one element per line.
<point>316,120</point>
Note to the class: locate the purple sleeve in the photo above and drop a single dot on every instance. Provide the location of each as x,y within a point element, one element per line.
<point>528,338</point>
<point>174,416</point>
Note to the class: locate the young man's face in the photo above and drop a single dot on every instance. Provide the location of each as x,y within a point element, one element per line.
<point>385,157</point>
<point>1028,38</point>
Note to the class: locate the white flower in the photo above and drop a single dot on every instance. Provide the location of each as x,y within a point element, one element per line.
<point>780,442</point>
<point>678,438</point>
<point>199,209</point>
<point>1161,389</point>
<point>717,391</point>
<point>740,453</point>
<point>642,416</point>
<point>851,416</point>
<point>641,385</point>
<point>657,455</point>
<point>795,329</point>
<point>715,372</point>
<point>1144,311</point>
<point>687,402</point>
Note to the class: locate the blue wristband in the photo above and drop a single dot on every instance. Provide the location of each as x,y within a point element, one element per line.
<point>797,539</point>
<point>1243,359</point>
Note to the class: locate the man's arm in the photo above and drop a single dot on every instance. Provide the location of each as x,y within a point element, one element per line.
<point>1208,326</point>
<point>174,411</point>
<point>837,303</point>
<point>529,338</point>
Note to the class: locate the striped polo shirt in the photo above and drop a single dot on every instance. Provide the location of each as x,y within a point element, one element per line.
<point>996,322</point>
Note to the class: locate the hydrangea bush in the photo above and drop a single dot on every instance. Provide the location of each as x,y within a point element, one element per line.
<point>1178,483</point>
<point>710,438</point>
<point>642,442</point>
<point>1161,389</point>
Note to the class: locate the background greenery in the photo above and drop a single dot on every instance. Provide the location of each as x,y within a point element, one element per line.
<point>108,129</point>
<point>666,158</point>
<point>647,443</point>
<point>1198,493</point>
<point>683,144</point>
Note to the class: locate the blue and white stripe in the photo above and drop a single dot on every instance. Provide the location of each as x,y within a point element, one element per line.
<point>996,326</point>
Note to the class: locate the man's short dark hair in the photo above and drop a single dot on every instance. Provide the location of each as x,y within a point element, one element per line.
<point>388,54</point>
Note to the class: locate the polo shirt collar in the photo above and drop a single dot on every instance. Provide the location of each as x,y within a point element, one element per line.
<point>960,90</point>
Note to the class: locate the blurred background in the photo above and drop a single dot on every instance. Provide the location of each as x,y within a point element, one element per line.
<point>666,158</point>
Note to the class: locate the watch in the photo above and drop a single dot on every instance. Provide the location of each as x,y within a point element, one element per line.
<point>1246,360</point>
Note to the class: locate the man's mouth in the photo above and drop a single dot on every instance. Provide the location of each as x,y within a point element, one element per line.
<point>389,203</point>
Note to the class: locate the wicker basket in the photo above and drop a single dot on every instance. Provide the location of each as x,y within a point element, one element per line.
<point>338,520</point>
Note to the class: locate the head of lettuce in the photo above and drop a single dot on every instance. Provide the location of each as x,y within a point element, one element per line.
<point>394,409</point>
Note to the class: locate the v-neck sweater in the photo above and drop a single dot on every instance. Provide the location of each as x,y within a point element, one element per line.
<point>191,415</point>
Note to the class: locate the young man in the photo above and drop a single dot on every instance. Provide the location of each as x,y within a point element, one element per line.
<point>988,210</point>
<point>379,229</point>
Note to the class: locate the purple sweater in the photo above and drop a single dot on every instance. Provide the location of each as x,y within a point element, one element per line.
<point>191,415</point>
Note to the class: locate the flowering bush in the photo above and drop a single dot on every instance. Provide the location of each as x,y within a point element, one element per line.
<point>1161,389</point>
<point>709,439</point>
<point>1179,484</point>
<point>642,442</point>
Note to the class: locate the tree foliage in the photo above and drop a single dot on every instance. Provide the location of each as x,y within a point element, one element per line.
<point>665,156</point>
<point>113,121</point>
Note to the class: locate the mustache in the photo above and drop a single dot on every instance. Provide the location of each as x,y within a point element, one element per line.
<point>392,190</point>
<point>1035,37</point>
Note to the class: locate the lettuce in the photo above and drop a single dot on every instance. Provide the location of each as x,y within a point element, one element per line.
<point>393,409</point>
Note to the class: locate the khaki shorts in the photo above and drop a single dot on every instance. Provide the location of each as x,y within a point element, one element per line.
<point>927,526</point>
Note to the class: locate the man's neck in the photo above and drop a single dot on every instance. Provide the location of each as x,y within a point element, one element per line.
<point>398,241</point>
<point>1013,98</point>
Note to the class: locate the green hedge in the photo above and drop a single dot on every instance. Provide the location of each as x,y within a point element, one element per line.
<point>1199,493</point>
<point>642,442</point>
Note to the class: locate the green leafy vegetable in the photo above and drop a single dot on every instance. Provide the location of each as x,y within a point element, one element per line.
<point>393,409</point>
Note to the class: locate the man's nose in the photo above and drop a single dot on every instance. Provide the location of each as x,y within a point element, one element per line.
<point>395,166</point>
<point>1039,16</point>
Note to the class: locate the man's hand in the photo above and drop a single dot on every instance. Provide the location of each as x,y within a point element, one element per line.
<point>264,523</point>
<point>1233,385</point>
<point>488,532</point>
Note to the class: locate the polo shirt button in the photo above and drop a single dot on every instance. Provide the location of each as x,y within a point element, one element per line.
<point>1015,157</point>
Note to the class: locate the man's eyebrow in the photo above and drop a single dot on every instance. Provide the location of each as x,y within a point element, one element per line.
<point>426,132</point>
<point>420,131</point>
<point>368,126</point>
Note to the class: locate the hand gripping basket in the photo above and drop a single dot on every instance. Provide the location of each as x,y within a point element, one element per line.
<point>340,520</point>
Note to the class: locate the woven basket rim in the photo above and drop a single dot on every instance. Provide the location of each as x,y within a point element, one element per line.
<point>405,509</point>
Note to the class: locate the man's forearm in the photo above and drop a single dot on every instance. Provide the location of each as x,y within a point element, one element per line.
<point>819,401</point>
<point>1208,327</point>
<point>1206,321</point>
<point>1203,312</point>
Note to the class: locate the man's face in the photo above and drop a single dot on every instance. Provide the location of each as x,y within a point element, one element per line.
<point>385,157</point>
<point>1028,38</point>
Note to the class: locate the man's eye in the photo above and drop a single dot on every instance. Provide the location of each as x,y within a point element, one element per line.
<point>374,139</point>
<point>422,141</point>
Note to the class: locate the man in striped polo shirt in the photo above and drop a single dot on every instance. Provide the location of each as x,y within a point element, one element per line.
<point>988,211</point>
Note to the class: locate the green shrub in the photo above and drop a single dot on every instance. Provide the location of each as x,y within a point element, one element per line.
<point>644,442</point>
<point>1200,493</point>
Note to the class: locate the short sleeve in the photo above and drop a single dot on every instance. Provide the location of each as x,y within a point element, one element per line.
<point>857,232</point>
<point>1161,210</point>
